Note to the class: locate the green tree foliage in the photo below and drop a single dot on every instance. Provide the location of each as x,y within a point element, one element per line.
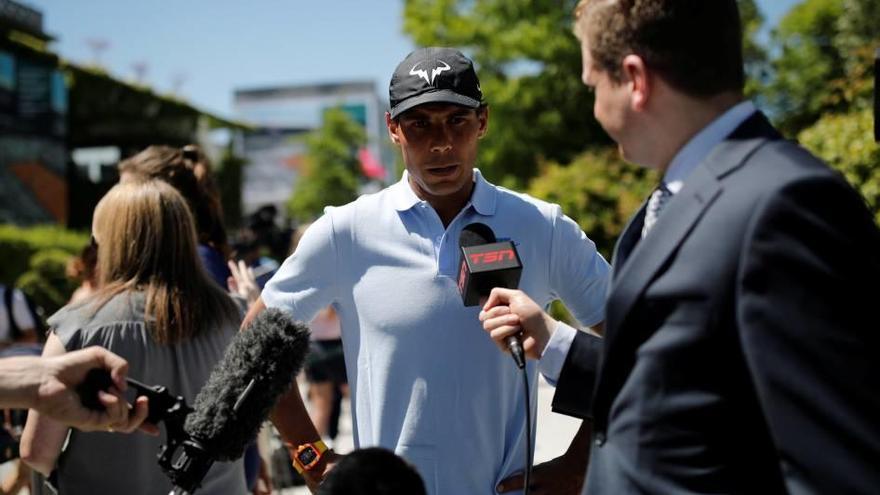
<point>230,175</point>
<point>598,190</point>
<point>530,66</point>
<point>824,48</point>
<point>330,174</point>
<point>19,244</point>
<point>846,142</point>
<point>46,282</point>
<point>857,37</point>
<point>806,63</point>
<point>35,259</point>
<point>754,53</point>
<point>822,84</point>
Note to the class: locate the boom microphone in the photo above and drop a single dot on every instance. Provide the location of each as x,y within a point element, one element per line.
<point>259,365</point>
<point>486,264</point>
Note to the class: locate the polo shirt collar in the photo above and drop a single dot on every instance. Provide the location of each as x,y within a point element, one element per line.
<point>483,197</point>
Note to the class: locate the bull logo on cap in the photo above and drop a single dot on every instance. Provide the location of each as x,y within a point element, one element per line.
<point>434,72</point>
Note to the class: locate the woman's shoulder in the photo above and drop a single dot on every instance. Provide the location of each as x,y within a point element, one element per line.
<point>83,319</point>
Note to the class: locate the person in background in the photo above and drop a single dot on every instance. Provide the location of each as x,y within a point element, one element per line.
<point>81,269</point>
<point>373,471</point>
<point>253,251</point>
<point>156,307</point>
<point>19,323</point>
<point>188,170</point>
<point>20,331</point>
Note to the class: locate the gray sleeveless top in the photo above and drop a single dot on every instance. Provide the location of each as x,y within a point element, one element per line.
<point>101,462</point>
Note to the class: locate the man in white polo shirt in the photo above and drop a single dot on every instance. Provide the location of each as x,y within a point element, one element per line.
<point>425,380</point>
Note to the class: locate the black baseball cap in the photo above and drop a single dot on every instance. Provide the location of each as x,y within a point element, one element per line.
<point>434,75</point>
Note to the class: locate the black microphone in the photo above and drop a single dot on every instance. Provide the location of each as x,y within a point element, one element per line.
<point>260,364</point>
<point>486,264</point>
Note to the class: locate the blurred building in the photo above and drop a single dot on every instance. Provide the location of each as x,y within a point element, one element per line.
<point>64,127</point>
<point>282,115</point>
<point>33,117</point>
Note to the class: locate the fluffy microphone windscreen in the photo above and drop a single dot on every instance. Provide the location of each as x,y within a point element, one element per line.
<point>260,365</point>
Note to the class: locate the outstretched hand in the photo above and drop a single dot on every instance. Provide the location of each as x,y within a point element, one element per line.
<point>57,397</point>
<point>243,281</point>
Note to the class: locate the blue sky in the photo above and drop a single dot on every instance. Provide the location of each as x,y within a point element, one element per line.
<point>221,45</point>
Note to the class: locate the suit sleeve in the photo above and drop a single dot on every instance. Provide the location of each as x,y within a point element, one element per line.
<point>806,308</point>
<point>574,389</point>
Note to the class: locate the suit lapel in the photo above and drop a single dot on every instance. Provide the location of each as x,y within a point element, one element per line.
<point>627,241</point>
<point>637,262</point>
<point>649,254</point>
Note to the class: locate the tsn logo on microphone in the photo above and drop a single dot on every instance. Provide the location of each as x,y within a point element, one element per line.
<point>486,266</point>
<point>492,257</point>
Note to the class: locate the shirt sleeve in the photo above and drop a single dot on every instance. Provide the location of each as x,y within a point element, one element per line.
<point>67,326</point>
<point>579,275</point>
<point>555,352</point>
<point>306,281</point>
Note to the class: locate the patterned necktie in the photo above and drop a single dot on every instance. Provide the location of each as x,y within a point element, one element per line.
<point>656,203</point>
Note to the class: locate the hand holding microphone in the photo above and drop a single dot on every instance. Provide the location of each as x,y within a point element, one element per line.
<point>486,264</point>
<point>491,269</point>
<point>510,312</point>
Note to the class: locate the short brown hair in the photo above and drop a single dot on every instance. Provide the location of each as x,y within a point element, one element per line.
<point>188,170</point>
<point>696,45</point>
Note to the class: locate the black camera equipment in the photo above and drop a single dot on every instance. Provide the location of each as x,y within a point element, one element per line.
<point>183,459</point>
<point>258,366</point>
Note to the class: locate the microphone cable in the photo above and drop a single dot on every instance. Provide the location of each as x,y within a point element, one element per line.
<point>528,473</point>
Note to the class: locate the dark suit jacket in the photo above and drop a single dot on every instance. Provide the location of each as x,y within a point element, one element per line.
<point>741,342</point>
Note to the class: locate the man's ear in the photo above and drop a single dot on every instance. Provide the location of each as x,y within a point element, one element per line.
<point>393,127</point>
<point>636,73</point>
<point>483,117</point>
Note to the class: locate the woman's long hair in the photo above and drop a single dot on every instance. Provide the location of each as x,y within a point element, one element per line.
<point>147,242</point>
<point>189,171</point>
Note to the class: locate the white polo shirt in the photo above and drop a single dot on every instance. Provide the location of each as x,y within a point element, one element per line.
<point>426,380</point>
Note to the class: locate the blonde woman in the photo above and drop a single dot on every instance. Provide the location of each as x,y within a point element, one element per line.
<point>156,307</point>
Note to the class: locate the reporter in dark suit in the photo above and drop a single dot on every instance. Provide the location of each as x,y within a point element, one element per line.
<point>741,330</point>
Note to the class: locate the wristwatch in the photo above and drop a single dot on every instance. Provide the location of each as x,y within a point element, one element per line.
<point>307,455</point>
